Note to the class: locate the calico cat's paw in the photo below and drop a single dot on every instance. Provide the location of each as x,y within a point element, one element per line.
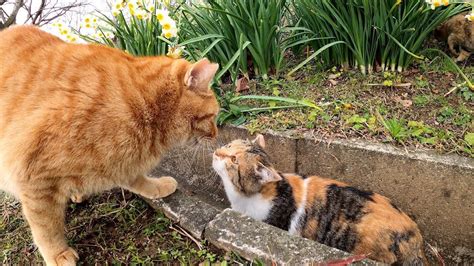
<point>67,258</point>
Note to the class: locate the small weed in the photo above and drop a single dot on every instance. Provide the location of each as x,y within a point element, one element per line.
<point>396,129</point>
<point>467,94</point>
<point>445,114</point>
<point>421,82</point>
<point>420,100</point>
<point>357,122</point>
<point>469,138</point>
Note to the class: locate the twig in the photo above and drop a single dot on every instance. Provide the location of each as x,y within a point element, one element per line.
<point>90,245</point>
<point>455,88</point>
<point>436,253</point>
<point>403,85</point>
<point>123,196</point>
<point>183,232</point>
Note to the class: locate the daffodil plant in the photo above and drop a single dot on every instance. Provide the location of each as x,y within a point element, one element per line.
<point>376,35</point>
<point>140,27</point>
<point>438,3</point>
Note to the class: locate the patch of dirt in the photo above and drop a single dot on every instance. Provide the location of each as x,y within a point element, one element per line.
<point>113,228</point>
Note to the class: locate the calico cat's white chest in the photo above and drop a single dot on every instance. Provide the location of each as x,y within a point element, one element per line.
<point>254,206</point>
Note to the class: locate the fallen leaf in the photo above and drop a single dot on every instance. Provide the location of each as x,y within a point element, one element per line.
<point>406,103</point>
<point>242,84</point>
<point>333,82</point>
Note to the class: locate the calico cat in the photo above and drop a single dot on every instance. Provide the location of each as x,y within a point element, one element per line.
<point>458,32</point>
<point>325,210</point>
<point>77,119</point>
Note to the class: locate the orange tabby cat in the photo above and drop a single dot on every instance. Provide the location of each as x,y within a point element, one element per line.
<point>79,119</point>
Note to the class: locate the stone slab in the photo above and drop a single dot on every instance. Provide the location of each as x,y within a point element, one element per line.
<point>252,240</point>
<point>191,213</point>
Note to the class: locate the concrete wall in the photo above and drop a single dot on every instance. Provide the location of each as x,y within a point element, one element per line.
<point>434,190</point>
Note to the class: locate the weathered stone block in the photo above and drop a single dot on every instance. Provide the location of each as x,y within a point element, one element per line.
<point>191,213</point>
<point>255,240</point>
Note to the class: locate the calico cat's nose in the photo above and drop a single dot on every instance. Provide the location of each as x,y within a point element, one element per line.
<point>219,154</point>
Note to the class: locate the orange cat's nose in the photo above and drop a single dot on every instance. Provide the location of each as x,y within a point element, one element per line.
<point>214,132</point>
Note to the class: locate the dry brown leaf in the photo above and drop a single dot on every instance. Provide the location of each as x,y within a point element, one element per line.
<point>242,84</point>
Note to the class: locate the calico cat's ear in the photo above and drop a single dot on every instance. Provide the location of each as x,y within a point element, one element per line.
<point>267,174</point>
<point>259,140</point>
<point>200,74</point>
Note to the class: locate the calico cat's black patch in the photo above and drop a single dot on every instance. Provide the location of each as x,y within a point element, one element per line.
<point>397,239</point>
<point>337,218</point>
<point>257,150</point>
<point>284,206</point>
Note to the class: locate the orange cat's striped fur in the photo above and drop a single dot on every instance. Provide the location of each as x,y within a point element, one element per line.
<point>79,119</point>
<point>325,210</point>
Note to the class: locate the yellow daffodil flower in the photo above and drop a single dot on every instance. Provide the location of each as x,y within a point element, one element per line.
<point>168,24</point>
<point>162,15</point>
<point>168,34</point>
<point>175,52</point>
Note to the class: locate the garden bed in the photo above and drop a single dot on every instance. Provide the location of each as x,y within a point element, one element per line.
<point>420,109</point>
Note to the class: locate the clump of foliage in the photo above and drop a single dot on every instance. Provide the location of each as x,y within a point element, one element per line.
<point>254,34</point>
<point>389,34</point>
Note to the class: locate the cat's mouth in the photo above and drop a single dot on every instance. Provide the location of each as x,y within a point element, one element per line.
<point>218,164</point>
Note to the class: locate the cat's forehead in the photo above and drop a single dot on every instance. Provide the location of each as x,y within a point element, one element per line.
<point>238,145</point>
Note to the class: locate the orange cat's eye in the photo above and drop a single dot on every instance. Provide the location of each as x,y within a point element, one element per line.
<point>233,159</point>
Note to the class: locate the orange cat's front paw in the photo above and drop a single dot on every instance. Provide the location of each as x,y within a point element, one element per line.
<point>164,186</point>
<point>78,198</point>
<point>67,258</point>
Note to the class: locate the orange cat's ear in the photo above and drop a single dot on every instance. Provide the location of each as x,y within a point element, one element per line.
<point>200,75</point>
<point>267,174</point>
<point>259,140</point>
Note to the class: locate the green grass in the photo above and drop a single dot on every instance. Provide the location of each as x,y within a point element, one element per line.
<point>112,228</point>
<point>411,110</point>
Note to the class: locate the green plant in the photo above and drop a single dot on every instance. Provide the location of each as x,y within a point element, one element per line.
<point>232,108</point>
<point>423,133</point>
<point>357,122</point>
<point>421,100</point>
<point>469,138</point>
<point>394,127</point>
<point>254,37</point>
<point>389,33</point>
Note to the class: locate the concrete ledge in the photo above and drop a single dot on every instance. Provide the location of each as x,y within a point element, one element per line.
<point>192,214</point>
<point>435,190</point>
<point>255,240</point>
<point>250,239</point>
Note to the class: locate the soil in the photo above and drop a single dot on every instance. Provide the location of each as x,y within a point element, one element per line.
<point>112,228</point>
